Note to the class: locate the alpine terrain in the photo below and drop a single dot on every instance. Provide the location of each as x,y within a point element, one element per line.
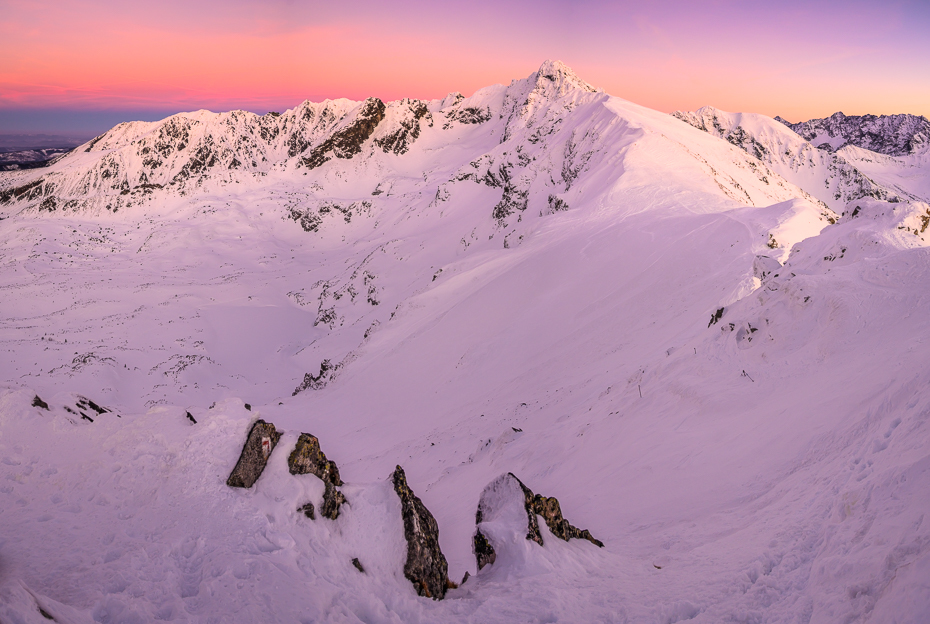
<point>539,354</point>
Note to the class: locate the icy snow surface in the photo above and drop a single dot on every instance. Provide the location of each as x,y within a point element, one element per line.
<point>531,286</point>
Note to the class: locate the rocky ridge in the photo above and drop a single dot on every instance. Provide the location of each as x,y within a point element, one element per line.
<point>892,135</point>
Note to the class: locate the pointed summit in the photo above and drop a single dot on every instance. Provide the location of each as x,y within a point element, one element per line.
<point>558,77</point>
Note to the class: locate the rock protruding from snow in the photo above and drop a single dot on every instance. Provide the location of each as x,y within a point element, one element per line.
<point>893,135</point>
<point>347,141</point>
<point>506,501</point>
<point>255,454</point>
<point>426,566</point>
<point>308,458</point>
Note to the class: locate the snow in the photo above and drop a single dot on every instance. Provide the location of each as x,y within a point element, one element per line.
<point>769,467</point>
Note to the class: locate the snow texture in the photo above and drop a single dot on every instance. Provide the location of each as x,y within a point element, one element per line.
<point>517,281</point>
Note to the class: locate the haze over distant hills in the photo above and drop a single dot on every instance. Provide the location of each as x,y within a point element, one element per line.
<point>700,332</point>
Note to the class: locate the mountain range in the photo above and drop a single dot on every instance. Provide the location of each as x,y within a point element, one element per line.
<point>700,332</point>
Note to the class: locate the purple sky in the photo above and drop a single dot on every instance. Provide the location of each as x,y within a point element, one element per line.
<point>81,66</point>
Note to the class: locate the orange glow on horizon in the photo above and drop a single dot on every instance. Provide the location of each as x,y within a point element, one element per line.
<point>111,57</point>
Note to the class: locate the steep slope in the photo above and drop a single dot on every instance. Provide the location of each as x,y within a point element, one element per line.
<point>627,312</point>
<point>826,175</point>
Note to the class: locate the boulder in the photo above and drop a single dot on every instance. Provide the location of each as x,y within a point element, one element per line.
<point>426,566</point>
<point>308,458</point>
<point>255,453</point>
<point>506,500</point>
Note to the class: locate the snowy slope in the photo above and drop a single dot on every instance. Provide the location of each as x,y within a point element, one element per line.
<point>828,176</point>
<point>544,280</point>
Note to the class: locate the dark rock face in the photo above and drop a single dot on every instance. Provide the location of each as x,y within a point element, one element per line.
<point>255,454</point>
<point>495,496</point>
<point>347,142</point>
<point>327,373</point>
<point>426,566</point>
<point>484,552</point>
<point>332,501</point>
<point>307,510</point>
<point>307,458</point>
<point>37,402</point>
<point>894,135</point>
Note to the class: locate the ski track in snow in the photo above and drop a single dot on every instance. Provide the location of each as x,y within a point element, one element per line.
<point>769,467</point>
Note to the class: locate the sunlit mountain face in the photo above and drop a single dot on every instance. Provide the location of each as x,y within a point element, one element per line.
<point>536,354</point>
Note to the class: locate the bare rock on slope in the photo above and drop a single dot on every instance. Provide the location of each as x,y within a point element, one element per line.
<point>426,566</point>
<point>308,458</point>
<point>255,454</point>
<point>507,501</point>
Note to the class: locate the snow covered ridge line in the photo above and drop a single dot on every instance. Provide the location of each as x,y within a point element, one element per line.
<point>828,176</point>
<point>892,135</point>
<point>498,525</point>
<point>136,160</point>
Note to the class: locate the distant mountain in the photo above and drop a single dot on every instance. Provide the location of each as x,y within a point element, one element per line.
<point>23,142</point>
<point>30,159</point>
<point>892,135</point>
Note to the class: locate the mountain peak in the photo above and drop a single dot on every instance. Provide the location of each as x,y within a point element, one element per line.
<point>559,77</point>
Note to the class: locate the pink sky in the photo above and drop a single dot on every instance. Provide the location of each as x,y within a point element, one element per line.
<point>796,59</point>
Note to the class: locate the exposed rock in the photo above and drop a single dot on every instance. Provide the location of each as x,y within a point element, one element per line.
<point>347,142</point>
<point>426,566</point>
<point>358,565</point>
<point>332,501</point>
<point>255,453</point>
<point>307,458</point>
<point>307,510</point>
<point>484,552</point>
<point>894,135</point>
<point>37,402</point>
<point>408,128</point>
<point>190,417</point>
<point>497,504</point>
<point>327,373</point>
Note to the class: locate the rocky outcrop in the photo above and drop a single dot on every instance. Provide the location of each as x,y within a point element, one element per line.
<point>893,135</point>
<point>327,372</point>
<point>408,127</point>
<point>497,504</point>
<point>426,566</point>
<point>308,458</point>
<point>347,142</point>
<point>255,454</point>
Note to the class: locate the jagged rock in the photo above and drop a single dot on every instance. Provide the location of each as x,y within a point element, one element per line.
<point>327,373</point>
<point>347,142</point>
<point>498,503</point>
<point>85,403</point>
<point>255,453</point>
<point>426,566</point>
<point>484,552</point>
<point>894,135</point>
<point>190,417</point>
<point>37,402</point>
<point>332,501</point>
<point>307,458</point>
<point>358,565</point>
<point>307,510</point>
